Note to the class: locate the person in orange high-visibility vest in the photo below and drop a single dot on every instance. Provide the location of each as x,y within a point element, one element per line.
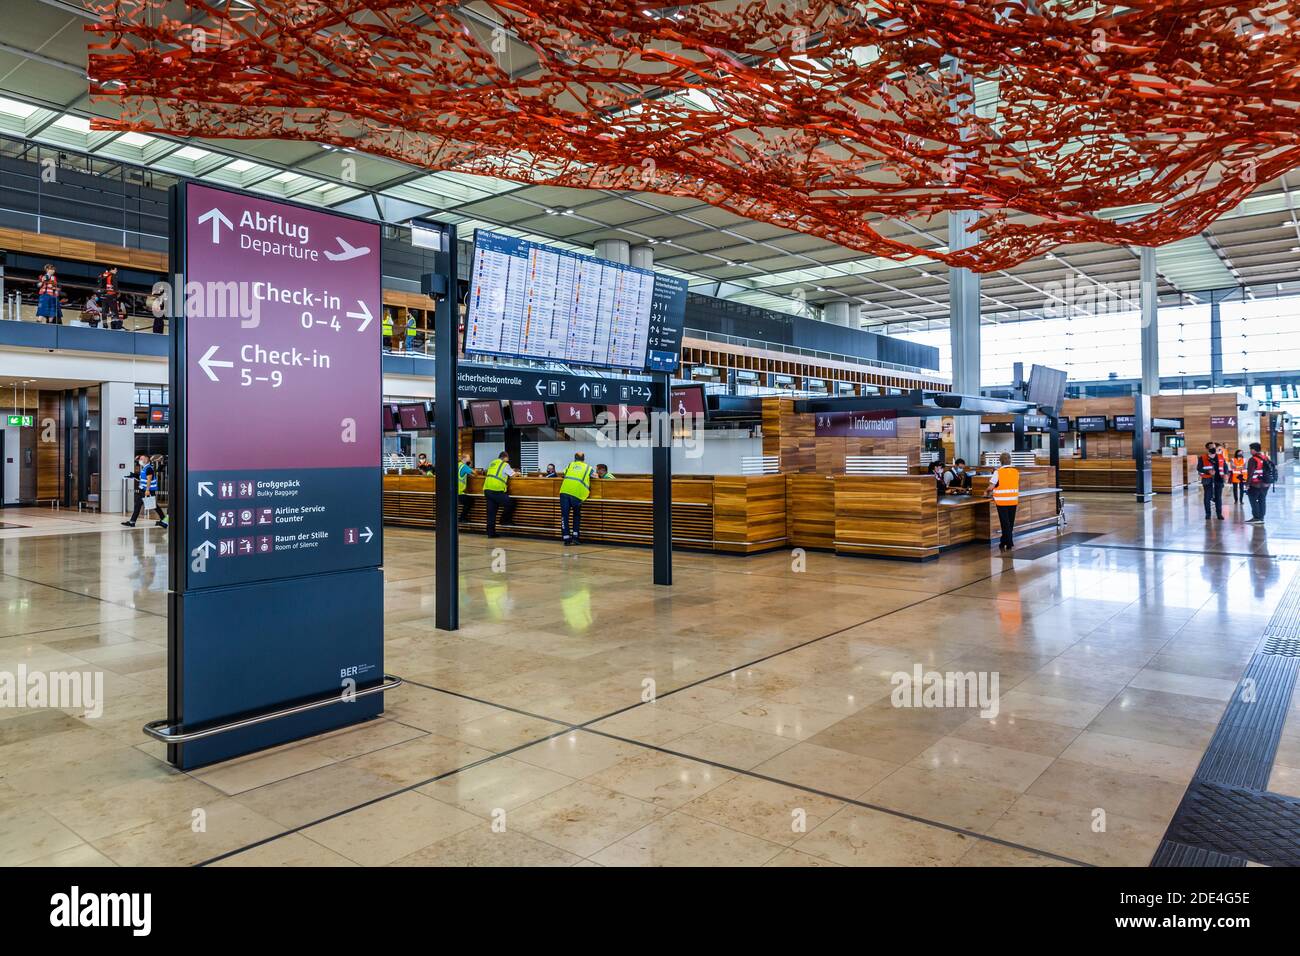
<point>1237,475</point>
<point>1004,489</point>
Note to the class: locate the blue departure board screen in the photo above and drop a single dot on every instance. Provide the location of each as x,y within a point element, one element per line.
<point>529,300</point>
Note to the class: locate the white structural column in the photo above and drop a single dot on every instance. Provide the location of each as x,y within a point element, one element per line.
<point>964,327</point>
<point>614,250</point>
<point>117,441</point>
<point>1150,326</point>
<point>643,257</point>
<point>847,314</point>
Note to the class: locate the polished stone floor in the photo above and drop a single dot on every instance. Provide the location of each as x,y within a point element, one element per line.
<point>583,716</point>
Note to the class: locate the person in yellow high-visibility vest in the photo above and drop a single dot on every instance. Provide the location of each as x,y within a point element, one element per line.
<point>574,490</point>
<point>1004,489</point>
<point>386,328</point>
<point>496,486</point>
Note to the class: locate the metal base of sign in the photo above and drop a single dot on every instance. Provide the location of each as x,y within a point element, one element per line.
<point>170,733</point>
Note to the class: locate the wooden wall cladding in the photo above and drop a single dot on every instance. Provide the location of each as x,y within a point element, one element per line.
<point>792,437</point>
<point>79,250</point>
<point>49,454</point>
<point>1195,410</point>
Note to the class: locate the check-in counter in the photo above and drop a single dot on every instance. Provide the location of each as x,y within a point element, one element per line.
<point>881,515</point>
<point>900,516</point>
<point>1171,474</point>
<point>733,513</point>
<point>1098,474</point>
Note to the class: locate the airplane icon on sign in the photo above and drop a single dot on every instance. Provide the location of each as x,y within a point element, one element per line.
<point>349,251</point>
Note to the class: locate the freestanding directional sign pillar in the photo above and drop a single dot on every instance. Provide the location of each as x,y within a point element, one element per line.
<point>276,591</point>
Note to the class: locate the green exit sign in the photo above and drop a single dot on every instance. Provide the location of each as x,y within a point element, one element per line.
<point>19,421</point>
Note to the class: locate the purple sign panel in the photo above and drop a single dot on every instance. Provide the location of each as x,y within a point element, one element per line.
<point>1223,421</point>
<point>856,425</point>
<point>282,375</point>
<point>279,360</point>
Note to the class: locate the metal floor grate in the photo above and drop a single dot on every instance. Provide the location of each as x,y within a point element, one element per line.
<point>1282,646</point>
<point>1059,543</point>
<point>1226,814</point>
<point>1237,822</point>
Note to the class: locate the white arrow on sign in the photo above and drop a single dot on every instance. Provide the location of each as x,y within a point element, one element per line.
<point>541,388</point>
<point>583,389</point>
<point>367,535</point>
<point>207,518</point>
<point>218,219</point>
<point>207,362</point>
<point>203,550</point>
<point>364,315</point>
<point>205,488</point>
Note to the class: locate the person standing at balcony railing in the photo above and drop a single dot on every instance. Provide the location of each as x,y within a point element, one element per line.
<point>47,296</point>
<point>108,298</point>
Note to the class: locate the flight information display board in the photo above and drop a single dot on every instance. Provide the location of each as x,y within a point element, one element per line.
<point>533,301</point>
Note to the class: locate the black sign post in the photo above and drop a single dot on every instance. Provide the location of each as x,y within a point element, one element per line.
<point>662,488</point>
<point>446,345</point>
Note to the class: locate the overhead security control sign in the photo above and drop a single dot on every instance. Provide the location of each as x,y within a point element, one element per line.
<point>282,444</point>
<point>520,384</point>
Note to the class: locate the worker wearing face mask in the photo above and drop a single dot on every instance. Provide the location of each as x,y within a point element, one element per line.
<point>958,477</point>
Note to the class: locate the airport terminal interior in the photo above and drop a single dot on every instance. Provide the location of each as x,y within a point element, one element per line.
<point>817,440</point>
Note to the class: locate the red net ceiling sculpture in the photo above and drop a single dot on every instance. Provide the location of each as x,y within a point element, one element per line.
<point>832,119</point>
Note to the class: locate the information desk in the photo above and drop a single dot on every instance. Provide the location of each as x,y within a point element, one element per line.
<point>733,513</point>
<point>901,517</point>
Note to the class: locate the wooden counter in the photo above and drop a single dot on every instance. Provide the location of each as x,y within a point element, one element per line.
<point>734,513</point>
<point>1098,474</point>
<point>882,515</point>
<point>900,516</point>
<point>1169,474</point>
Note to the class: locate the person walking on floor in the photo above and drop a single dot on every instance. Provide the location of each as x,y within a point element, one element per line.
<point>574,490</point>
<point>1004,489</point>
<point>1260,475</point>
<point>146,488</point>
<point>1237,476</point>
<point>1213,469</point>
<point>496,489</point>
<point>462,485</point>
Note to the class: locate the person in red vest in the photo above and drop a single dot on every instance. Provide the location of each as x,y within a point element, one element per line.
<point>1260,475</point>
<point>1214,470</point>
<point>108,297</point>
<point>47,296</point>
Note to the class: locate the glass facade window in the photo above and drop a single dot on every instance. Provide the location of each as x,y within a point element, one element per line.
<point>1184,340</point>
<point>1260,335</point>
<point>1089,348</point>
